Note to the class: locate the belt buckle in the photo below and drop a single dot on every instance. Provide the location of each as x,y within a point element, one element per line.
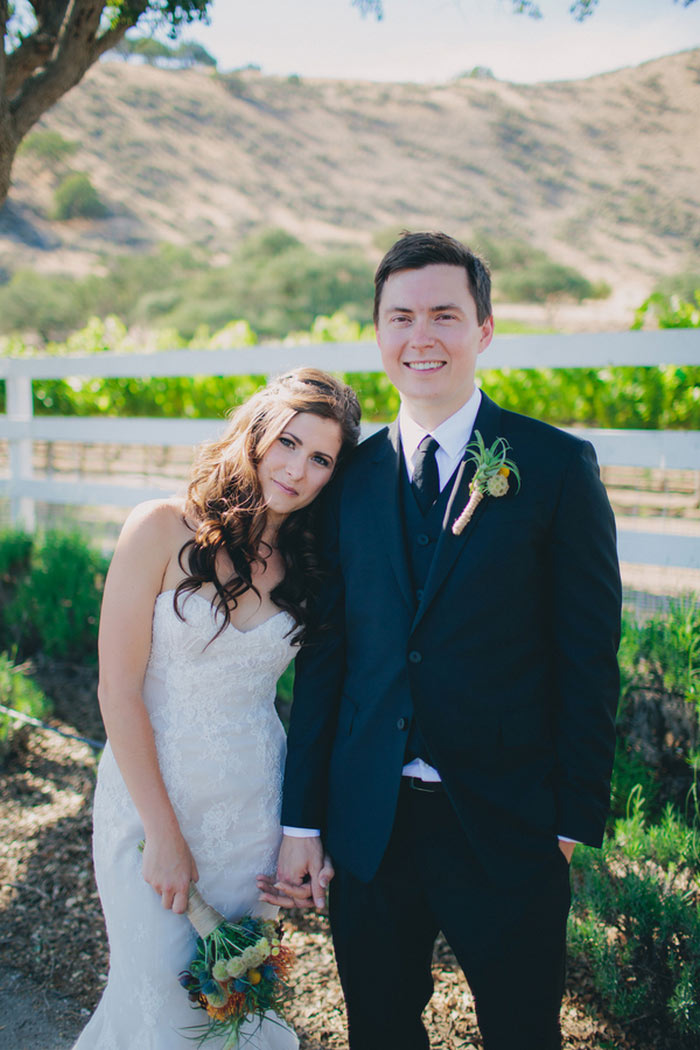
<point>426,786</point>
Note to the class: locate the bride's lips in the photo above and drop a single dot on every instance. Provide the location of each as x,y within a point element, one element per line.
<point>286,488</point>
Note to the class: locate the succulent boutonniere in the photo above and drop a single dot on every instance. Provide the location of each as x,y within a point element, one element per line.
<point>493,468</point>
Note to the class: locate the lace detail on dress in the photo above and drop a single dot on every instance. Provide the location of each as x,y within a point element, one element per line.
<point>221,751</point>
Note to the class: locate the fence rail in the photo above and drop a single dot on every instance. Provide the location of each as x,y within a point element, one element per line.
<point>656,544</point>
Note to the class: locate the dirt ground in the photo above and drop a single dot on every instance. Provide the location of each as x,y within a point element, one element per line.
<point>53,957</point>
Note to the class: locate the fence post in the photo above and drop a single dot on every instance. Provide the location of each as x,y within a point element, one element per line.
<point>19,410</point>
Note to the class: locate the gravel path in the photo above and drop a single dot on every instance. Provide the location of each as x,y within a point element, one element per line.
<point>36,1019</point>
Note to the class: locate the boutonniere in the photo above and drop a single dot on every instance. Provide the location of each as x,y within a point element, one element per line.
<point>493,468</point>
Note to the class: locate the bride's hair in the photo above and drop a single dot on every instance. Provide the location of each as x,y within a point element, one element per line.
<point>226,508</point>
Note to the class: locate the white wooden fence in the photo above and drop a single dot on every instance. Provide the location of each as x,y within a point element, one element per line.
<point>680,450</point>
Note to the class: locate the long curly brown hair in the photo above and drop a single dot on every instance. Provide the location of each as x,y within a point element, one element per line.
<point>226,508</point>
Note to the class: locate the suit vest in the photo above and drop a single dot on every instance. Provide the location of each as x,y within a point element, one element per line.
<point>421,533</point>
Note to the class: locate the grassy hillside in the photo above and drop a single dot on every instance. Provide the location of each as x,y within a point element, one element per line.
<point>600,173</point>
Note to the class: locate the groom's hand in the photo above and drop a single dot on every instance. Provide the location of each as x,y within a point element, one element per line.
<point>300,865</point>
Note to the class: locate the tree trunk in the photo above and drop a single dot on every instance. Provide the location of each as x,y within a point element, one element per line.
<point>8,141</point>
<point>8,149</point>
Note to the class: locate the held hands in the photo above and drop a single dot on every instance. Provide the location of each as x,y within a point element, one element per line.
<point>168,866</point>
<point>567,849</point>
<point>303,875</point>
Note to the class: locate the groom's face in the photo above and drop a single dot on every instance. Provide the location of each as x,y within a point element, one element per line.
<point>430,339</point>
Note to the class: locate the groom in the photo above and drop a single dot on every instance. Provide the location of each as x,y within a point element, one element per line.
<point>452,731</point>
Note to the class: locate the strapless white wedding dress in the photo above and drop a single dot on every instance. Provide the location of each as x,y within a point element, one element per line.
<point>221,750</point>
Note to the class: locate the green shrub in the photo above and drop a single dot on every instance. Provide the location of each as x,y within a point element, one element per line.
<point>48,146</point>
<point>670,311</point>
<point>659,714</point>
<point>542,280</point>
<point>55,608</point>
<point>15,549</point>
<point>76,198</point>
<point>49,304</point>
<point>271,280</point>
<point>15,554</point>
<point>632,773</point>
<point>18,691</point>
<point>636,919</point>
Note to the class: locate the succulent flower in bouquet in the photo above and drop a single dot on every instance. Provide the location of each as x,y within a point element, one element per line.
<point>491,477</point>
<point>239,970</point>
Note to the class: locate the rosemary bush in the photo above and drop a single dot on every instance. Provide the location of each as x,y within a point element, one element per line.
<point>53,593</point>
<point>636,919</point>
<point>18,691</point>
<point>659,715</point>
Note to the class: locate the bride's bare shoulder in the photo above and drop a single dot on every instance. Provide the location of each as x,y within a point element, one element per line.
<point>156,520</point>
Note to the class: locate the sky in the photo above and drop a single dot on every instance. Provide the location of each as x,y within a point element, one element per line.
<point>436,40</point>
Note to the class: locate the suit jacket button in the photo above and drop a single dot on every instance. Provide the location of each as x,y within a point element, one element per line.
<point>414,656</point>
<point>422,539</point>
<point>402,723</point>
<point>419,595</point>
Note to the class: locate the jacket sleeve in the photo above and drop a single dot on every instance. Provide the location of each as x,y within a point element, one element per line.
<point>586,603</point>
<point>318,682</point>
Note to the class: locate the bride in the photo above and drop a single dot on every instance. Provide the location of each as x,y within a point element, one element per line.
<point>204,603</point>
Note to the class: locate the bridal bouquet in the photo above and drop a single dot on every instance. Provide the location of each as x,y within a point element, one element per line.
<point>239,970</point>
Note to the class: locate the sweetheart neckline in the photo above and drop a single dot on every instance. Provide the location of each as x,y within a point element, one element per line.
<point>203,598</point>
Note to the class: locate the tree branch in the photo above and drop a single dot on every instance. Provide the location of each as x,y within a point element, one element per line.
<point>37,48</point>
<point>111,36</point>
<point>73,56</point>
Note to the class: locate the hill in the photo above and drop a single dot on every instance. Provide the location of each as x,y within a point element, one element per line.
<point>601,173</point>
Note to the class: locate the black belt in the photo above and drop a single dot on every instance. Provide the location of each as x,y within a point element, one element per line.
<point>428,787</point>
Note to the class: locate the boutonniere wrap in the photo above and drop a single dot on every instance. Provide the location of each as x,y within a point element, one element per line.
<point>491,478</point>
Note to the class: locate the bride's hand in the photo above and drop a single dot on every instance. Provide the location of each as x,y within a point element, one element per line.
<point>297,895</point>
<point>168,866</point>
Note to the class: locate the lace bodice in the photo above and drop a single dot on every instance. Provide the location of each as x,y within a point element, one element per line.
<point>211,704</point>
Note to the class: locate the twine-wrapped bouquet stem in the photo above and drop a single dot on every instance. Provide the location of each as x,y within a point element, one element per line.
<point>203,917</point>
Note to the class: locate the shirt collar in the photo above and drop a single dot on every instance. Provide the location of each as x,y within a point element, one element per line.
<point>452,434</point>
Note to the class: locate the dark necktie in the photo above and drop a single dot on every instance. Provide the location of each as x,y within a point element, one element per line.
<point>426,482</point>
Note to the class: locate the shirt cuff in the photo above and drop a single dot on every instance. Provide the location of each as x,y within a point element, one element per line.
<point>563,838</point>
<point>302,833</point>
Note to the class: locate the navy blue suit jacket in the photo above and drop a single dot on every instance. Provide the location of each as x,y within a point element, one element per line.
<point>509,661</point>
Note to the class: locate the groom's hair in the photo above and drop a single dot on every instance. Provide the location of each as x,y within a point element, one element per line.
<point>413,251</point>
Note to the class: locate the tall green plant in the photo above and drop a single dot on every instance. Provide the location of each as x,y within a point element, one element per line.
<point>55,608</point>
<point>636,920</point>
<point>659,714</point>
<point>19,692</point>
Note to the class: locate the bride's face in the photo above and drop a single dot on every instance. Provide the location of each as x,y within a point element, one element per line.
<point>299,463</point>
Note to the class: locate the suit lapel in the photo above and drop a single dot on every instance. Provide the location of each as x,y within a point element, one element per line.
<point>384,499</point>
<point>449,546</point>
